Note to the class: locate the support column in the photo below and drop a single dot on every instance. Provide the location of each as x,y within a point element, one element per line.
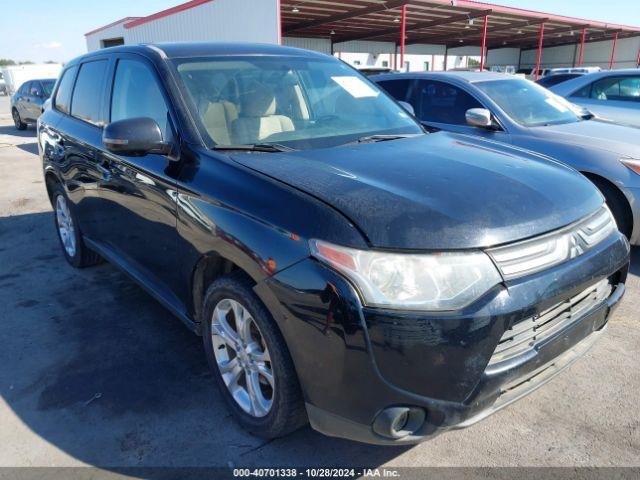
<point>446,57</point>
<point>279,6</point>
<point>581,55</point>
<point>613,51</point>
<point>539,59</point>
<point>484,42</point>
<point>403,34</point>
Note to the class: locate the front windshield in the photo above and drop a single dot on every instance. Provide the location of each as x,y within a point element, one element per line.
<point>48,85</point>
<point>529,104</point>
<point>293,101</point>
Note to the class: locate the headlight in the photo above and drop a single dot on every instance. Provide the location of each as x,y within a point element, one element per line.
<point>632,164</point>
<point>437,281</point>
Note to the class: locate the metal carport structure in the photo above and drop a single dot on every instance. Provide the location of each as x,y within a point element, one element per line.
<point>452,23</point>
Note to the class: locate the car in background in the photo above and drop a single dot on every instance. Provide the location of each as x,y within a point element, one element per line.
<point>530,73</point>
<point>523,114</point>
<point>583,70</point>
<point>28,102</point>
<point>612,95</point>
<point>557,78</point>
<point>344,267</point>
<point>368,71</point>
<point>3,85</point>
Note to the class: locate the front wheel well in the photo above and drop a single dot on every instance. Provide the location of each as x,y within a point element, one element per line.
<point>209,268</point>
<point>616,200</point>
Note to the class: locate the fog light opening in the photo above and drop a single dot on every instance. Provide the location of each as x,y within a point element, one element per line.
<point>399,422</point>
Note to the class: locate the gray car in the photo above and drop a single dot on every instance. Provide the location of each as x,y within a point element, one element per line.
<point>516,111</point>
<point>613,95</point>
<point>28,101</point>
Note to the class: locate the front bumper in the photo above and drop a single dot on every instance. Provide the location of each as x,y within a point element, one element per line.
<point>354,362</point>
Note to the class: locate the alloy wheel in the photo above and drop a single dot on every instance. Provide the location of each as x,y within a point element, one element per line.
<point>242,357</point>
<point>65,226</point>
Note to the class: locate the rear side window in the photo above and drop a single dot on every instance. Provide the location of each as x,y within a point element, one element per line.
<point>87,94</point>
<point>136,93</point>
<point>62,101</point>
<point>398,89</point>
<point>443,103</point>
<point>24,89</point>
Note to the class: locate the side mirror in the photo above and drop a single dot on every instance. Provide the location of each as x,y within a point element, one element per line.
<point>135,137</point>
<point>479,117</point>
<point>408,107</point>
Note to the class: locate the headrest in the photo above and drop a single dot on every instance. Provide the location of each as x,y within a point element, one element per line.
<point>258,101</point>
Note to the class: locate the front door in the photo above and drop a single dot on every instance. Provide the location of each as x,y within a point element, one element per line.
<point>443,106</point>
<point>139,220</point>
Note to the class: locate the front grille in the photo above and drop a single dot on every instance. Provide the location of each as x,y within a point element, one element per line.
<point>528,333</point>
<point>540,253</point>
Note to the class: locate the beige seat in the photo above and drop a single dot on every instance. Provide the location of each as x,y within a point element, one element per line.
<point>258,119</point>
<point>218,118</point>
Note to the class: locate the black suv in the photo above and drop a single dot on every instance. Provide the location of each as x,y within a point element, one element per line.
<point>343,267</point>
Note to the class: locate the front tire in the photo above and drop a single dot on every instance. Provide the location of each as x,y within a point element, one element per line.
<point>73,247</point>
<point>250,360</point>
<point>17,121</point>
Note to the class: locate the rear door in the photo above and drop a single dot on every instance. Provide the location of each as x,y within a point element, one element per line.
<point>80,136</point>
<point>21,100</point>
<point>138,202</point>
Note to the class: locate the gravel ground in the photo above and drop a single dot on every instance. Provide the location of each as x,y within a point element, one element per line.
<point>68,336</point>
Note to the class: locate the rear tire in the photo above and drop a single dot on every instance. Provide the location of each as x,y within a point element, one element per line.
<point>73,247</point>
<point>17,121</point>
<point>280,409</point>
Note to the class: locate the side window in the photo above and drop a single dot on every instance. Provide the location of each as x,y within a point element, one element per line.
<point>87,94</point>
<point>443,103</point>
<point>626,89</point>
<point>24,89</point>
<point>62,102</point>
<point>136,93</point>
<point>398,89</point>
<point>35,89</point>
<point>584,92</point>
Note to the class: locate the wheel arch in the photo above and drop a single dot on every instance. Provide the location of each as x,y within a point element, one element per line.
<point>603,184</point>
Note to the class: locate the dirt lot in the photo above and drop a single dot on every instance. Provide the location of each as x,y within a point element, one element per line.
<point>68,336</point>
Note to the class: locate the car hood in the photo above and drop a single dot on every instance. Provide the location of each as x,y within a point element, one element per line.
<point>595,134</point>
<point>437,191</point>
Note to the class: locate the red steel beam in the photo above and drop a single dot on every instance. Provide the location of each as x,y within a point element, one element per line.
<point>484,42</point>
<point>403,34</point>
<point>613,50</point>
<point>539,59</point>
<point>581,55</point>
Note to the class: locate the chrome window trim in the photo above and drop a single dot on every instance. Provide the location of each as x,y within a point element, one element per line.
<point>545,251</point>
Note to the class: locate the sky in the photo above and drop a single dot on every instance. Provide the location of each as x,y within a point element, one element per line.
<point>35,30</point>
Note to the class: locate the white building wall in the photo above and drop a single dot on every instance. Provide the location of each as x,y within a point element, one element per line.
<point>503,57</point>
<point>322,45</point>
<point>94,40</point>
<point>219,20</point>
<point>596,54</point>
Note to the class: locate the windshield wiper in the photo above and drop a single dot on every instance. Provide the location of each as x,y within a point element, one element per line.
<point>384,138</point>
<point>256,147</point>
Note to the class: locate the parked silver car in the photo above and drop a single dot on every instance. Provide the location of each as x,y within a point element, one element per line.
<point>28,101</point>
<point>613,95</point>
<point>521,113</point>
